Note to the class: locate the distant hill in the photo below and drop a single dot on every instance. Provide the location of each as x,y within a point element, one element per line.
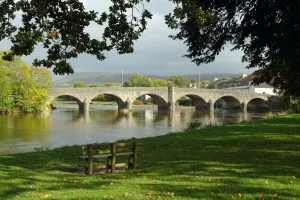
<point>100,78</point>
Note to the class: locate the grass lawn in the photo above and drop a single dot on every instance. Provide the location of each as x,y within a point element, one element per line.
<point>253,160</point>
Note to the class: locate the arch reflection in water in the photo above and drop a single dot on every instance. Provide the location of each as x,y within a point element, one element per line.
<point>66,126</point>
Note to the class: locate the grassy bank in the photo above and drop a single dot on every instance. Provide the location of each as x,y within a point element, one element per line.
<point>254,160</point>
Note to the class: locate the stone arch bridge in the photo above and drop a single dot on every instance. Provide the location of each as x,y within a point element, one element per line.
<point>165,97</point>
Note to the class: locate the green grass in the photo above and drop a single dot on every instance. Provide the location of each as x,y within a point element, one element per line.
<point>251,160</point>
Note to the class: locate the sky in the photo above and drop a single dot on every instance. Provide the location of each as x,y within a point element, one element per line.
<point>154,53</point>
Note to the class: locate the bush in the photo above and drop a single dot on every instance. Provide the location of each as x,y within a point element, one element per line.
<point>270,115</point>
<point>138,102</point>
<point>193,125</point>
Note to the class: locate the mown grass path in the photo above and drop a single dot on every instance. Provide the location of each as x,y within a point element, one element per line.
<point>253,160</point>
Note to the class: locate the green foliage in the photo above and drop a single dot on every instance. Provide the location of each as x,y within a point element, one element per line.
<point>270,115</point>
<point>184,101</point>
<point>12,65</point>
<point>263,31</point>
<point>193,125</point>
<point>292,102</point>
<point>113,84</point>
<point>104,97</point>
<point>23,88</point>
<point>79,84</point>
<point>5,89</point>
<point>160,82</point>
<point>29,95</point>
<point>138,102</point>
<point>61,27</point>
<point>204,83</point>
<point>138,80</point>
<point>179,81</point>
<point>65,98</point>
<point>42,76</point>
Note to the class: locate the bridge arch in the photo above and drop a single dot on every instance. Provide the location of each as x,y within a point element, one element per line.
<point>71,97</point>
<point>197,101</point>
<point>258,104</point>
<point>228,101</point>
<point>117,99</point>
<point>161,103</point>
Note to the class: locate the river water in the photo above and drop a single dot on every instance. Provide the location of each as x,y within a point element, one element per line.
<point>66,126</point>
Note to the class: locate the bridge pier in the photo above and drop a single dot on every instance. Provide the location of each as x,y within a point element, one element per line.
<point>171,119</point>
<point>84,106</point>
<point>128,105</point>
<point>171,99</point>
<point>244,107</point>
<point>171,106</point>
<point>210,106</point>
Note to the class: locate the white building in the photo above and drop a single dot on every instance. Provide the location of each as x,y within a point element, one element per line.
<point>261,88</point>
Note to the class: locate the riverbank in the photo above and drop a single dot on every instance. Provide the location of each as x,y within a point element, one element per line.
<point>251,160</point>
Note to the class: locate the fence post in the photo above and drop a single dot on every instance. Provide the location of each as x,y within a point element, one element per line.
<point>113,157</point>
<point>90,159</point>
<point>134,155</point>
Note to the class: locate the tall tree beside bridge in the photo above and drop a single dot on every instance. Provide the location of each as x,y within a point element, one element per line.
<point>5,89</point>
<point>267,31</point>
<point>23,88</point>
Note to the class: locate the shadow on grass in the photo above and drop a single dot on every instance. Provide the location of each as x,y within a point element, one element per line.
<point>257,160</point>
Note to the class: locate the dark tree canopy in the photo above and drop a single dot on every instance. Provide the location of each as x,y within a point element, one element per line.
<point>267,31</point>
<point>60,26</point>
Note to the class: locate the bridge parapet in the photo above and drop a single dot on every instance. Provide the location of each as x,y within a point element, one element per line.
<point>164,97</point>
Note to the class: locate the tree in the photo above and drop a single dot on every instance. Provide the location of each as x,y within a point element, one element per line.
<point>42,76</point>
<point>266,31</point>
<point>29,95</point>
<point>79,84</point>
<point>23,88</point>
<point>179,81</point>
<point>156,82</point>
<point>194,83</point>
<point>60,26</point>
<point>138,80</point>
<point>113,84</point>
<point>204,83</point>
<point>5,89</point>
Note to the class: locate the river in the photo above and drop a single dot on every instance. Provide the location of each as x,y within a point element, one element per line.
<point>66,126</point>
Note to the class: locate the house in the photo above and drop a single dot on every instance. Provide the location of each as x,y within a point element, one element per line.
<point>242,83</point>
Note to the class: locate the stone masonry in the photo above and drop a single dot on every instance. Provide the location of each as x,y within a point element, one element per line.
<point>164,97</point>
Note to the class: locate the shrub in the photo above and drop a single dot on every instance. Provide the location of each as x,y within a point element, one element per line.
<point>274,114</point>
<point>138,102</point>
<point>193,125</point>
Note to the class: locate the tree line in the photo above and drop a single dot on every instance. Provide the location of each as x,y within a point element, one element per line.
<point>139,80</point>
<point>23,88</point>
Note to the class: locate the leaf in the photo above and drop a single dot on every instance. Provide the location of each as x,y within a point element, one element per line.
<point>44,196</point>
<point>191,188</point>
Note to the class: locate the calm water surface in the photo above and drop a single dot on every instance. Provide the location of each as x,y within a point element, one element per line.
<point>66,126</point>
